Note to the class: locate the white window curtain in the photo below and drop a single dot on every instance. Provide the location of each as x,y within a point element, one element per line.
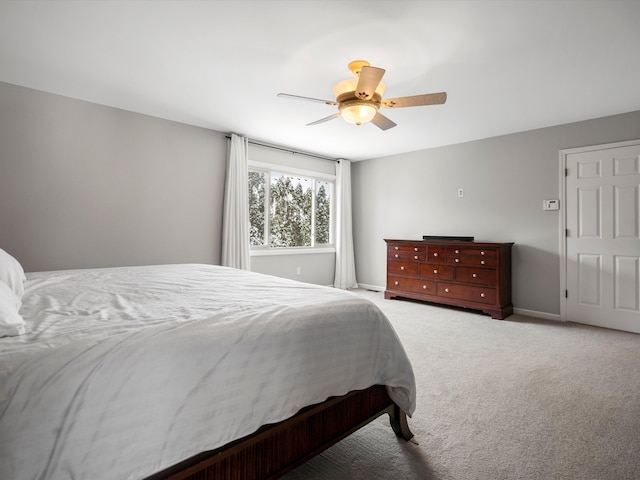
<point>235,222</point>
<point>345,262</point>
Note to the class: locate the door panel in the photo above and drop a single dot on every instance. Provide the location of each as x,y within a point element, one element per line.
<point>626,211</point>
<point>589,274</point>
<point>589,205</point>
<point>603,237</point>
<point>627,278</point>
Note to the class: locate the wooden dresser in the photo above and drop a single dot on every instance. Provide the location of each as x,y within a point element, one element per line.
<point>465,274</point>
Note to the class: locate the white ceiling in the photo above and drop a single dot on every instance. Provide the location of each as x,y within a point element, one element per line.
<point>507,66</point>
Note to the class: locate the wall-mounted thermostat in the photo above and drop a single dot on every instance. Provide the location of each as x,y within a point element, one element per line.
<point>551,204</point>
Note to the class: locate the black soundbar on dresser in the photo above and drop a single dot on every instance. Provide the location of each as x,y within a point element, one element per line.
<point>448,238</point>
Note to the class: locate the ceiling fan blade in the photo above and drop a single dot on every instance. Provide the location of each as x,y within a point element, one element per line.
<point>325,119</point>
<point>382,122</point>
<point>368,82</point>
<point>416,100</point>
<point>298,97</point>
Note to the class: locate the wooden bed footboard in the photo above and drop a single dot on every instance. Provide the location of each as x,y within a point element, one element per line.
<point>275,449</point>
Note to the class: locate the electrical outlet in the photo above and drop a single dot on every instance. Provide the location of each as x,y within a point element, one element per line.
<point>551,204</point>
<point>461,192</point>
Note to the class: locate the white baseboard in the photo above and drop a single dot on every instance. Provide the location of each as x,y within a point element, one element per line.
<point>518,311</point>
<point>375,288</point>
<point>536,314</point>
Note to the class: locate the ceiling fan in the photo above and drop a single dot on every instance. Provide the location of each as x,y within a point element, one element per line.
<point>359,99</point>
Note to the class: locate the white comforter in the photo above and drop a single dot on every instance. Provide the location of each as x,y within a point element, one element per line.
<point>130,370</point>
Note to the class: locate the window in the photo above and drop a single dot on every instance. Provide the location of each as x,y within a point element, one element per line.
<point>290,209</point>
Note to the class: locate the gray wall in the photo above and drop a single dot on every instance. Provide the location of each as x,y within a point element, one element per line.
<point>505,180</point>
<point>83,185</point>
<point>318,268</point>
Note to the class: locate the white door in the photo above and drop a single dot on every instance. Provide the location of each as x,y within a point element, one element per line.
<point>602,250</point>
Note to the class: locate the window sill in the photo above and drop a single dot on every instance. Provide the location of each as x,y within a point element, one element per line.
<point>291,251</point>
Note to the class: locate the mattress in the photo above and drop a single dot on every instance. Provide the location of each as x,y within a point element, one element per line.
<point>129,370</point>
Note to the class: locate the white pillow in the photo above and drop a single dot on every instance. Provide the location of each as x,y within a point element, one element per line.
<point>11,322</point>
<point>11,273</point>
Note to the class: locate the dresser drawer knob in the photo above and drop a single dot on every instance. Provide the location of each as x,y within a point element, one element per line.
<point>396,255</point>
<point>435,254</point>
<point>457,260</point>
<point>457,252</point>
<point>474,275</point>
<point>435,271</point>
<point>397,248</point>
<point>482,262</point>
<point>482,252</point>
<point>402,267</point>
<point>415,256</point>
<point>424,287</point>
<point>415,249</point>
<point>482,295</point>
<point>396,283</point>
<point>446,290</point>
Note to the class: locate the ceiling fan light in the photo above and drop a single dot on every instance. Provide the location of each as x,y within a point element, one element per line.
<point>358,113</point>
<point>345,86</point>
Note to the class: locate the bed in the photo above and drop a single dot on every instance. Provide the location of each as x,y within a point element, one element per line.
<point>190,371</point>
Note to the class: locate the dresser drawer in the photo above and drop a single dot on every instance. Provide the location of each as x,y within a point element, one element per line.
<point>398,267</point>
<point>406,252</point>
<point>477,260</point>
<point>392,248</point>
<point>435,271</point>
<point>479,252</point>
<point>416,257</point>
<point>436,254</point>
<point>464,292</point>
<point>478,276</point>
<point>414,285</point>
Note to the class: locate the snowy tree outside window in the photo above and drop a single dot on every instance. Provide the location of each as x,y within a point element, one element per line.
<point>289,210</point>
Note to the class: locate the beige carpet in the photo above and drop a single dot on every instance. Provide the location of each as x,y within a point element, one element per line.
<point>515,399</point>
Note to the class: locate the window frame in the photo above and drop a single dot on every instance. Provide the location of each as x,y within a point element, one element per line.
<point>268,169</point>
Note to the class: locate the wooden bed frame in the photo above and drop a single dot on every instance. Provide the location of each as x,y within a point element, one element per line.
<point>276,449</point>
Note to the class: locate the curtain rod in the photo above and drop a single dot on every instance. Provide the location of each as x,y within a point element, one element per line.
<point>252,142</point>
